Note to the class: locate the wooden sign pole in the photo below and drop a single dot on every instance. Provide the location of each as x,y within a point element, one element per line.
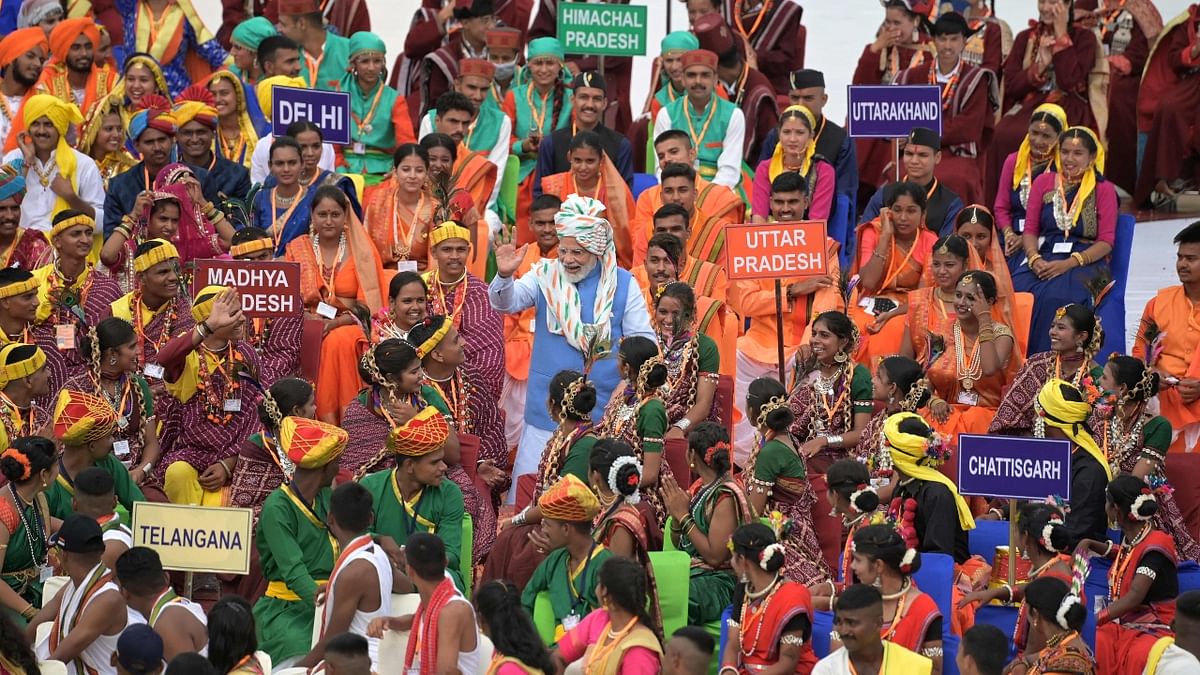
<point>779,329</point>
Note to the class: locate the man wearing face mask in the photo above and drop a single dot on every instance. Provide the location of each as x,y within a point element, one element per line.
<point>504,51</point>
<point>590,100</point>
<point>921,154</point>
<point>585,305</point>
<point>437,71</point>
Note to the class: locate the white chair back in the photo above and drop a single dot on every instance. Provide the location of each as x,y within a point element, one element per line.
<point>52,667</point>
<point>51,588</point>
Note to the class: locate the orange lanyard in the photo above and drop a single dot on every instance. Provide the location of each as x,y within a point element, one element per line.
<point>276,228</point>
<point>366,121</point>
<point>891,256</point>
<point>412,227</point>
<point>314,67</point>
<point>574,187</point>
<point>762,15</point>
<point>539,122</point>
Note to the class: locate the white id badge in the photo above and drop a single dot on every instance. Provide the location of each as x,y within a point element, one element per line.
<point>968,398</point>
<point>359,148</point>
<point>233,405</point>
<point>406,266</point>
<point>121,449</point>
<point>570,621</point>
<point>64,336</point>
<point>326,310</point>
<point>1062,247</point>
<point>44,573</point>
<point>153,371</point>
<point>868,305</point>
<point>1019,225</point>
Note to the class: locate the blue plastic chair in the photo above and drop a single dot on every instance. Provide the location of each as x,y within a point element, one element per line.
<point>936,577</point>
<point>987,535</point>
<point>841,230</point>
<point>641,181</point>
<point>1112,306</point>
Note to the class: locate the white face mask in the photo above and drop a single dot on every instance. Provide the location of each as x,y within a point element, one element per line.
<point>505,71</point>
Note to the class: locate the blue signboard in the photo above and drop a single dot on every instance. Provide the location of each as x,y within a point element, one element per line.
<point>1015,468</point>
<point>329,110</point>
<point>891,111</point>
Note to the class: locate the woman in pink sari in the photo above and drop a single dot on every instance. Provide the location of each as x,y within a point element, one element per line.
<point>204,231</point>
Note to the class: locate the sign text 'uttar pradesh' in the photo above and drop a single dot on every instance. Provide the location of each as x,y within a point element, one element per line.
<point>770,250</point>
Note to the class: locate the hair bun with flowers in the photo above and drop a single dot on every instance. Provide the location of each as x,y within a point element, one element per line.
<point>1047,538</point>
<point>910,557</point>
<point>768,554</point>
<point>1144,506</point>
<point>861,490</point>
<point>625,483</point>
<point>1060,617</point>
<point>20,458</point>
<point>711,452</point>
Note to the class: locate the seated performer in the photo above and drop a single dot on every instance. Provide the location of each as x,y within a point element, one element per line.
<point>89,612</point>
<point>1166,113</point>
<point>716,201</point>
<point>95,497</point>
<point>152,130</point>
<point>25,525</point>
<point>360,584</point>
<point>921,156</point>
<point>197,117</point>
<point>444,636</point>
<point>157,307</point>
<point>400,210</point>
<point>589,102</point>
<point>276,340</point>
<point>73,72</point>
<point>740,81</point>
<point>1032,159</point>
<point>701,233</point>
<point>381,117</point>
<point>180,622</point>
<point>858,623</point>
<point>84,425</point>
<point>570,571</point>
<point>261,466</point>
<point>295,548</point>
<point>25,248</point>
<point>720,143</point>
<point>796,150</point>
<point>325,54</point>
<point>618,637</point>
<point>24,378</point>
<point>1062,413</point>
<point>1057,615</point>
<point>593,175</point>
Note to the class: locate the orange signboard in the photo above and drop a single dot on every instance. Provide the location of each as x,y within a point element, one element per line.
<point>773,250</point>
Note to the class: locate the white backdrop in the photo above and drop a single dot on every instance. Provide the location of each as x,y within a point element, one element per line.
<point>837,32</point>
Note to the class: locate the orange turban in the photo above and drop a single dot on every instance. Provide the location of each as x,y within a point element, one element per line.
<point>569,499</point>
<point>67,32</point>
<point>18,42</point>
<point>311,444</point>
<point>80,418</point>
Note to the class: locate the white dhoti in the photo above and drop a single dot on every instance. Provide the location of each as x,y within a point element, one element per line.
<point>529,454</point>
<point>749,370</point>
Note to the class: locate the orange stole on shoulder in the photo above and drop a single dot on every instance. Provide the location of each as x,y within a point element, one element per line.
<point>475,174</point>
<point>1172,313</point>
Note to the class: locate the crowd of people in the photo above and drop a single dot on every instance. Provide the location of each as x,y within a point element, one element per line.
<point>522,385</point>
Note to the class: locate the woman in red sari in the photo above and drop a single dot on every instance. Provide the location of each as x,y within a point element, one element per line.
<point>882,558</point>
<point>340,274</point>
<point>1142,584</point>
<point>594,175</point>
<point>1057,615</point>
<point>1052,61</point>
<point>893,251</point>
<point>771,624</point>
<point>1043,539</point>
<point>902,42</point>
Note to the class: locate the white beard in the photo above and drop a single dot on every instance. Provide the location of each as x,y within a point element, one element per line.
<point>582,273</point>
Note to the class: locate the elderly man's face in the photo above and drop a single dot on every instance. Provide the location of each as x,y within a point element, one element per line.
<point>577,261</point>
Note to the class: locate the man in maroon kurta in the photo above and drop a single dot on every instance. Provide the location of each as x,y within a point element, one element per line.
<point>435,73</point>
<point>777,39</point>
<point>746,87</point>
<point>1167,110</point>
<point>969,99</point>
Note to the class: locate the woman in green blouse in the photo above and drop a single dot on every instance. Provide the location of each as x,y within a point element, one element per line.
<point>25,523</point>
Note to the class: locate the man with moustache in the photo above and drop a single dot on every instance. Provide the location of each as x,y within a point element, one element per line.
<point>25,248</point>
<point>153,132</point>
<point>473,171</point>
<point>585,304</point>
<point>858,621</point>
<point>196,115</point>
<point>716,126</point>
<point>156,309</point>
<point>72,72</point>
<point>590,100</point>
<point>22,54</point>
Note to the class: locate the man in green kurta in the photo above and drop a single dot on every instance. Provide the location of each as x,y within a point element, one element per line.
<point>533,104</point>
<point>416,496</point>
<point>379,119</point>
<point>716,126</point>
<point>84,424</point>
<point>295,549</point>
<point>670,65</point>
<point>569,572</point>
<point>324,55</point>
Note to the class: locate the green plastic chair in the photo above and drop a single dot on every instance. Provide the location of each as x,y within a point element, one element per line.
<point>508,188</point>
<point>672,573</point>
<point>651,158</point>
<point>464,560</point>
<point>543,617</point>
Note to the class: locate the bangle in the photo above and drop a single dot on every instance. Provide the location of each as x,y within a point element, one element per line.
<point>1107,549</point>
<point>1033,258</point>
<point>146,468</point>
<point>999,514</point>
<point>29,612</point>
<point>683,424</point>
<point>1078,258</point>
<point>833,441</point>
<point>200,330</point>
<point>519,519</point>
<point>1008,588</point>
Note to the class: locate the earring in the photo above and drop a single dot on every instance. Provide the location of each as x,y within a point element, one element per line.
<point>891,399</point>
<point>112,360</point>
<point>841,356</point>
<point>1079,349</point>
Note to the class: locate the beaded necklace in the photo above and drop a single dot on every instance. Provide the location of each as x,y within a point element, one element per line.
<point>169,319</point>
<point>1123,443</point>
<point>457,394</point>
<point>337,261</point>
<point>969,369</point>
<point>1116,575</point>
<point>440,305</point>
<point>214,401</point>
<point>760,616</point>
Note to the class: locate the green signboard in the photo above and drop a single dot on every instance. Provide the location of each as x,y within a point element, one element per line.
<point>609,30</point>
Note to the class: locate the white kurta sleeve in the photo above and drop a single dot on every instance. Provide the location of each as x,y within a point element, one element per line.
<point>729,164</point>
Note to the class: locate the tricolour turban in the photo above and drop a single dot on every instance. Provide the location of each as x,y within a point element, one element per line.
<point>908,456</point>
<point>80,418</point>
<point>1069,417</point>
<point>12,180</point>
<point>579,217</point>
<point>63,35</point>
<point>263,90</point>
<point>251,32</point>
<point>18,42</point>
<point>27,361</point>
<point>196,103</point>
<point>426,432</point>
<point>154,113</point>
<point>311,444</point>
<point>62,115</point>
<point>569,499</point>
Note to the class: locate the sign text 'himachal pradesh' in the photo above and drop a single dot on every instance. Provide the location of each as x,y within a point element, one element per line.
<point>269,288</point>
<point>771,250</point>
<point>609,30</point>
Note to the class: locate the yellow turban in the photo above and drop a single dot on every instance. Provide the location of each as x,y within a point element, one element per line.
<point>311,444</point>
<point>263,90</point>
<point>908,455</point>
<point>62,115</point>
<point>202,305</point>
<point>13,368</point>
<point>447,231</point>
<point>162,251</point>
<point>1055,410</point>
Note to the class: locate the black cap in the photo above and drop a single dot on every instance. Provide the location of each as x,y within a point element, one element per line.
<point>79,534</point>
<point>806,78</point>
<point>139,649</point>
<point>952,23</point>
<point>469,9</point>
<point>591,79</point>
<point>926,137</point>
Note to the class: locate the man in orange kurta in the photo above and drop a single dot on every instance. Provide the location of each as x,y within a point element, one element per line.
<point>518,334</point>
<point>708,279</point>
<point>754,299</point>
<point>72,73</point>
<point>1170,334</point>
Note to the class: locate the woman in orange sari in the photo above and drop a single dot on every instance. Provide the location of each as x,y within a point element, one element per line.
<point>976,224</point>
<point>340,274</point>
<point>594,175</point>
<point>893,251</point>
<point>400,214</point>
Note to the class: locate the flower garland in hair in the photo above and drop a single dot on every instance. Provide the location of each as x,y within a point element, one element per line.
<point>20,458</point>
<point>764,558</point>
<point>910,557</point>
<point>1048,531</point>
<point>1147,496</point>
<point>859,490</point>
<point>634,479</point>
<point>709,453</point>
<point>1065,606</point>
<point>937,450</point>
